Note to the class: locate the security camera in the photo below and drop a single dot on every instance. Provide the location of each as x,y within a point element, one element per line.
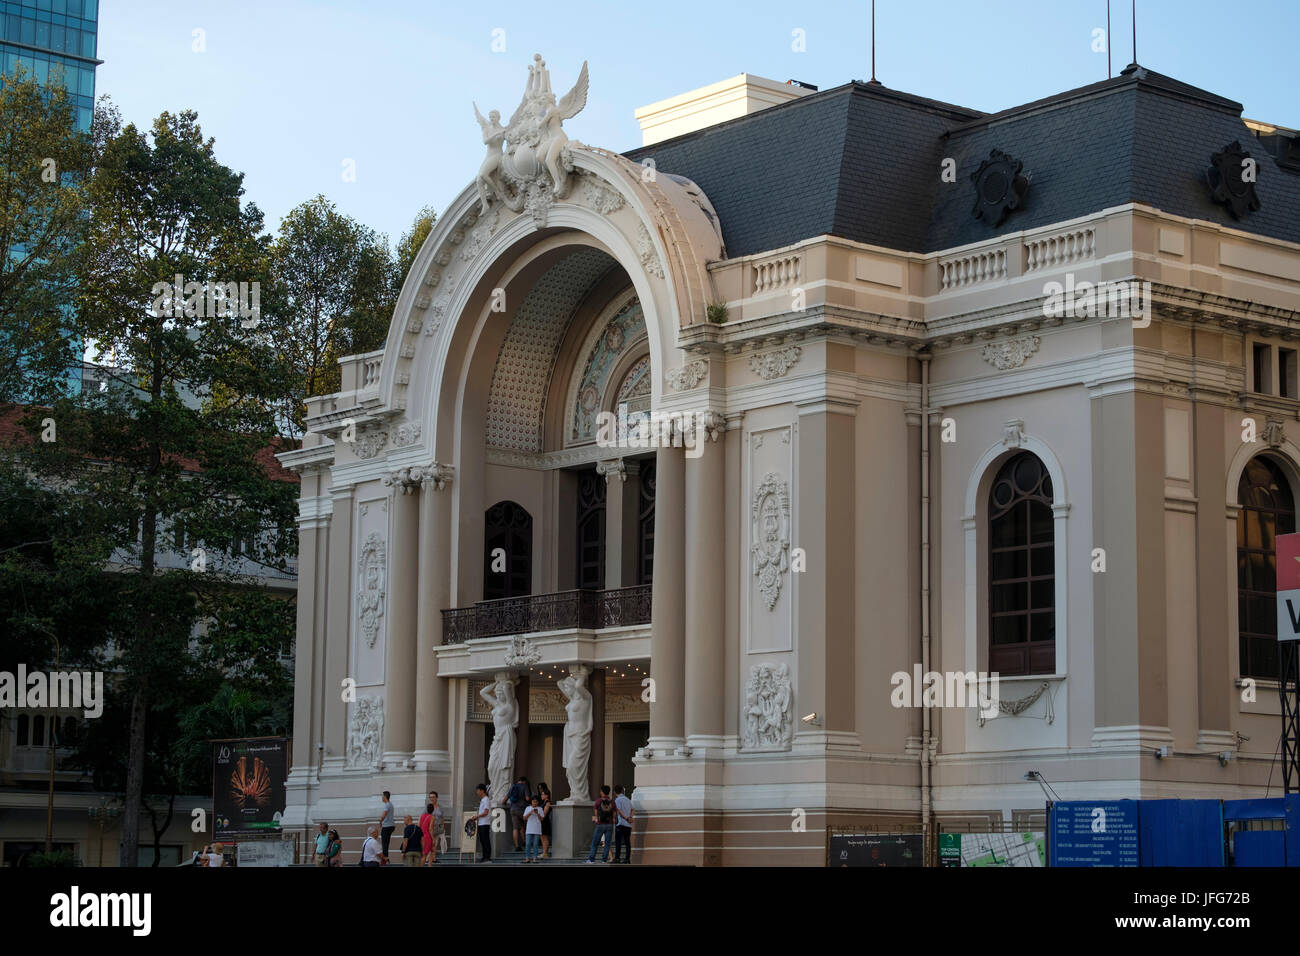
<point>812,719</point>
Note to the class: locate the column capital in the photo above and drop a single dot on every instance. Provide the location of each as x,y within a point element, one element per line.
<point>618,468</point>
<point>437,475</point>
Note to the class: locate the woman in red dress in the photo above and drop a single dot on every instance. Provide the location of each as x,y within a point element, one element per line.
<point>426,833</point>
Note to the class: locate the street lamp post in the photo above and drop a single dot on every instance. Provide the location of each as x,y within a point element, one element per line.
<point>103,814</point>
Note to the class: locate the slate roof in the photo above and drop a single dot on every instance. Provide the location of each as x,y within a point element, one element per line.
<point>863,162</point>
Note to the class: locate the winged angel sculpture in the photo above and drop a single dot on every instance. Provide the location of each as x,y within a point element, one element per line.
<point>534,167</point>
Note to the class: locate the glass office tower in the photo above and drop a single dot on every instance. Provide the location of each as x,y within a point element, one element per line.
<point>57,41</point>
<point>48,35</point>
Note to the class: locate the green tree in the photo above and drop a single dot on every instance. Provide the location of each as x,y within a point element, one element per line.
<point>174,453</point>
<point>409,245</point>
<point>333,276</point>
<point>44,162</point>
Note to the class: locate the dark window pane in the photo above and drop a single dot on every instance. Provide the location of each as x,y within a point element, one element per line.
<point>1008,564</point>
<point>1009,597</point>
<point>1010,630</point>
<point>1021,541</point>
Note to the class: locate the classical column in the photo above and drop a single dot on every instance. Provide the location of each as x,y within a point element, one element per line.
<point>338,629</point>
<point>705,583</point>
<point>400,679</point>
<point>596,683</point>
<point>667,636</point>
<point>313,525</point>
<point>824,503</point>
<point>620,521</point>
<point>433,584</point>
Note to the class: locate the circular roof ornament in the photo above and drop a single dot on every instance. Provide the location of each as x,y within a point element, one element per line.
<point>999,187</point>
<point>1232,176</point>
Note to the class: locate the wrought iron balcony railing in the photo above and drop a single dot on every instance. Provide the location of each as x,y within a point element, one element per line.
<point>563,610</point>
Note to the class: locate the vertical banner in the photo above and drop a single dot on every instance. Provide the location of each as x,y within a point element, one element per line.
<point>248,777</point>
<point>1288,587</point>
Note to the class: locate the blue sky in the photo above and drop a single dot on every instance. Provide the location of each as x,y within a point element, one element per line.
<point>292,88</point>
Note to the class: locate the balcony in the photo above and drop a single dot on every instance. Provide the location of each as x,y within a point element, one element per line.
<point>561,611</point>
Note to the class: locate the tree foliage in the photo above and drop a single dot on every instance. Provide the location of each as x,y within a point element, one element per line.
<point>44,163</point>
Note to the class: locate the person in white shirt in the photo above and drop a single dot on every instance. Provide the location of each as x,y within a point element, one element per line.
<point>532,829</point>
<point>214,856</point>
<point>623,814</point>
<point>372,854</point>
<point>484,822</point>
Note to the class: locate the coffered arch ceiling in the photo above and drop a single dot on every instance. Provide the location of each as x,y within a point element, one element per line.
<point>527,357</point>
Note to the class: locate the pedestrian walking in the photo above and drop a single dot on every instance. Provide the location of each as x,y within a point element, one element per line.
<point>623,813</point>
<point>603,817</point>
<point>386,817</point>
<point>412,841</point>
<point>323,845</point>
<point>437,828</point>
<point>518,801</point>
<point>532,829</point>
<point>372,853</point>
<point>335,852</point>
<point>484,823</point>
<point>544,794</point>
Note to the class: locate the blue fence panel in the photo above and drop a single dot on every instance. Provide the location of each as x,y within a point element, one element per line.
<point>1180,832</point>
<point>1259,848</point>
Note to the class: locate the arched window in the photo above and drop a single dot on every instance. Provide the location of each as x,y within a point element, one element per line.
<point>69,736</point>
<point>22,739</point>
<point>591,530</point>
<point>38,730</point>
<point>1267,510</point>
<point>509,527</point>
<point>1022,569</point>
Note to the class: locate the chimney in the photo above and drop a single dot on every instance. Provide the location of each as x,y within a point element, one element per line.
<point>713,104</point>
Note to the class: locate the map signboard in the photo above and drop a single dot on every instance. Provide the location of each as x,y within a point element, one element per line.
<point>1024,848</point>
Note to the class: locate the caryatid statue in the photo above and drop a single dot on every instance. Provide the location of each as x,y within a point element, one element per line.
<point>500,696</point>
<point>577,731</point>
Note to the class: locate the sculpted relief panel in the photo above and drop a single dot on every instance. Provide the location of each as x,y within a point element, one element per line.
<point>767,720</point>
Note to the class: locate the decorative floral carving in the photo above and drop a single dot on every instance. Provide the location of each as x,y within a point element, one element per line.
<point>686,377</point>
<point>600,197</point>
<point>366,733</point>
<point>770,550</point>
<point>1013,433</point>
<point>1273,432</point>
<point>522,653</point>
<point>770,365</point>
<point>407,433</point>
<point>437,311</point>
<point>645,250</point>
<point>371,570</point>
<point>480,235</point>
<point>1012,353</point>
<point>369,444</point>
<point>768,716</point>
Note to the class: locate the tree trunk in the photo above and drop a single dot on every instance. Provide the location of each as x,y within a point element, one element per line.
<point>134,782</point>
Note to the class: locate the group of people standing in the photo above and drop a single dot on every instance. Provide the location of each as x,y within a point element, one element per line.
<point>419,845</point>
<point>530,818</point>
